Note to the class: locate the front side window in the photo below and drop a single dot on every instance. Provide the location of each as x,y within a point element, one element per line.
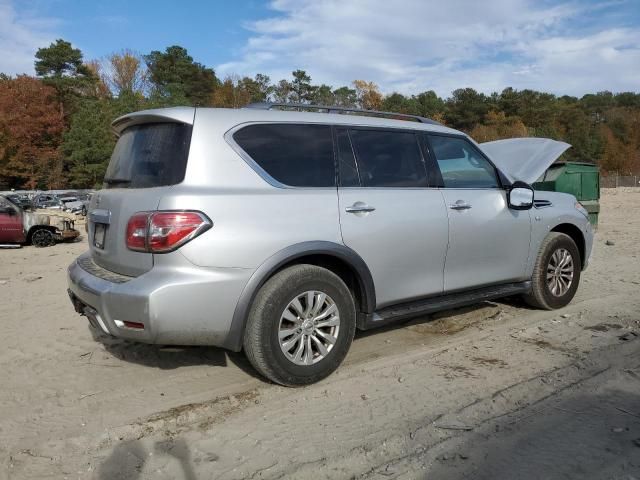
<point>294,155</point>
<point>461,165</point>
<point>388,158</point>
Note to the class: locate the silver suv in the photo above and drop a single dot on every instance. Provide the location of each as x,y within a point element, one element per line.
<point>281,232</point>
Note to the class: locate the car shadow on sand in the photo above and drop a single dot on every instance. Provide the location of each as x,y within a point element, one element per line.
<point>172,357</point>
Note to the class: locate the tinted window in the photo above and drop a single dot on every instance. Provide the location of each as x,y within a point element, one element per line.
<point>346,161</point>
<point>461,165</point>
<point>149,155</point>
<point>295,155</point>
<point>5,203</point>
<point>388,159</point>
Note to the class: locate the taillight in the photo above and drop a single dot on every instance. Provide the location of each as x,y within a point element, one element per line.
<point>137,232</point>
<point>161,232</point>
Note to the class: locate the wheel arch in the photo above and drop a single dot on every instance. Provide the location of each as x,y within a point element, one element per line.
<point>337,258</point>
<point>576,235</point>
<point>51,228</point>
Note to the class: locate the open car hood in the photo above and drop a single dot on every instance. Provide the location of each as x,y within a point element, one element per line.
<point>524,159</point>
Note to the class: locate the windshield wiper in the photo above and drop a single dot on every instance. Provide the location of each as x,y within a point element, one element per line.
<point>117,181</point>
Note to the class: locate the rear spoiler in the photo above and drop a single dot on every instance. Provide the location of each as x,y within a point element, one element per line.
<point>175,114</point>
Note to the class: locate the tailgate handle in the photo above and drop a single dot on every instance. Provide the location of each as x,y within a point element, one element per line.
<point>100,216</point>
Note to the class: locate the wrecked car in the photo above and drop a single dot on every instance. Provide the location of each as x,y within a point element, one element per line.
<point>19,226</point>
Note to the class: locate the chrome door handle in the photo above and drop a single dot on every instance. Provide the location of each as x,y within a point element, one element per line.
<point>359,207</point>
<point>460,205</point>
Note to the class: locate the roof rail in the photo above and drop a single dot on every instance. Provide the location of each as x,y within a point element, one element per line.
<point>335,109</point>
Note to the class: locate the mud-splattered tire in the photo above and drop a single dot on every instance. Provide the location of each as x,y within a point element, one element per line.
<point>300,326</point>
<point>556,274</point>
<point>42,238</point>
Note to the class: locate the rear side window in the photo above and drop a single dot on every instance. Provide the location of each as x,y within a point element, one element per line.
<point>461,165</point>
<point>388,158</point>
<point>149,155</point>
<point>294,155</point>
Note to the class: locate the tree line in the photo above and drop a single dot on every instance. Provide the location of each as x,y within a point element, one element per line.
<point>55,127</point>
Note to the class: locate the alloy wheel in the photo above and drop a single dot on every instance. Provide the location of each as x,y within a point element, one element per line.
<point>309,327</point>
<point>560,271</point>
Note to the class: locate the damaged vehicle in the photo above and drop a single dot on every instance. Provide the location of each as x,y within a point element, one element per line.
<point>78,205</point>
<point>19,226</point>
<point>280,233</point>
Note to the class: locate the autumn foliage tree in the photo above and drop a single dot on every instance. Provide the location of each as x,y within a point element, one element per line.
<point>31,129</point>
<point>368,95</point>
<point>497,126</point>
<point>55,130</point>
<point>125,73</point>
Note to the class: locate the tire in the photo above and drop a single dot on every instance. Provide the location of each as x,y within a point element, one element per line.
<point>42,237</point>
<point>274,310</point>
<point>83,212</point>
<point>544,294</point>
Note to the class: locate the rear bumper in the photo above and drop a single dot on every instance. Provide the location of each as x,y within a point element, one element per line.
<point>184,305</point>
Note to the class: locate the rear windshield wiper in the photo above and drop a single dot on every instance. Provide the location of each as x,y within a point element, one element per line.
<point>117,181</point>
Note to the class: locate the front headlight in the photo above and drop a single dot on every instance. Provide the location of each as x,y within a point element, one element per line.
<point>581,209</point>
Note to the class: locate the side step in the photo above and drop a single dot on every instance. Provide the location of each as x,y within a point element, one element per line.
<point>416,308</point>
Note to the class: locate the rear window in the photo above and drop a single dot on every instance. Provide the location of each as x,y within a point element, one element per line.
<point>149,155</point>
<point>294,155</point>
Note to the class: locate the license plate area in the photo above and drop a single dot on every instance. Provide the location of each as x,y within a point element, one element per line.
<point>98,235</point>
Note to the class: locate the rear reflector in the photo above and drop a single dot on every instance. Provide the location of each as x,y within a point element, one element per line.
<point>164,231</point>
<point>136,325</point>
<point>128,324</point>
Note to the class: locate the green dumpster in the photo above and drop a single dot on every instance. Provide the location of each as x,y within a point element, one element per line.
<point>581,180</point>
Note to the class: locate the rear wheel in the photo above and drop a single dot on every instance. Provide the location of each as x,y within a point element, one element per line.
<point>42,238</point>
<point>556,274</point>
<point>300,325</point>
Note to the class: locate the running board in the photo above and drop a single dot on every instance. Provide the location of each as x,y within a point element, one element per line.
<point>416,308</point>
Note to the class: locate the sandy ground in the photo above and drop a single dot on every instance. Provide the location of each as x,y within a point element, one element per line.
<point>494,391</point>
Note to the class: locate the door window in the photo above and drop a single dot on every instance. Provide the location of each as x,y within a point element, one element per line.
<point>294,155</point>
<point>461,164</point>
<point>388,158</point>
<point>6,206</point>
<point>348,170</point>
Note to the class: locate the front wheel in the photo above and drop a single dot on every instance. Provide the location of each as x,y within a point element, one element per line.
<point>556,274</point>
<point>42,238</point>
<point>300,326</point>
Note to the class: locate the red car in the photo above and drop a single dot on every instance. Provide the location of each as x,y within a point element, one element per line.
<point>19,226</point>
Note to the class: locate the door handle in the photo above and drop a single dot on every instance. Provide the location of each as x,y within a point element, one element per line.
<point>460,205</point>
<point>359,207</point>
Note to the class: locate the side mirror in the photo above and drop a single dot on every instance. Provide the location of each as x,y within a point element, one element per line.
<point>520,197</point>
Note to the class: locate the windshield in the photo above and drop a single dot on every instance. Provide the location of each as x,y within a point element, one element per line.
<point>149,155</point>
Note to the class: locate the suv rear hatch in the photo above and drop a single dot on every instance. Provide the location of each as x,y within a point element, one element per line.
<point>150,156</point>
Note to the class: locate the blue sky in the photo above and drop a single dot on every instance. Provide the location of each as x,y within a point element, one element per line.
<point>566,47</point>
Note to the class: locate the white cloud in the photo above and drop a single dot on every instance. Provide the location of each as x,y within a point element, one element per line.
<point>20,38</point>
<point>417,45</point>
